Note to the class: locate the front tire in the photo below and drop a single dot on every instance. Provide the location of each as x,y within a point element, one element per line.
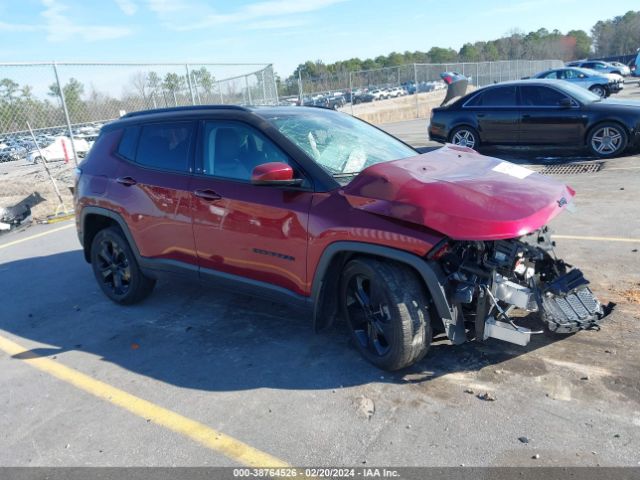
<point>465,137</point>
<point>116,269</point>
<point>599,90</point>
<point>607,140</point>
<point>386,310</point>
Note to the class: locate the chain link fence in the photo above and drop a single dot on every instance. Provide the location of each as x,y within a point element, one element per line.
<point>480,74</point>
<point>65,104</point>
<point>68,99</point>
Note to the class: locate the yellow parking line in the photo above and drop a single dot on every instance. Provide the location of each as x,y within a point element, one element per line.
<point>37,235</point>
<point>598,239</point>
<point>210,438</point>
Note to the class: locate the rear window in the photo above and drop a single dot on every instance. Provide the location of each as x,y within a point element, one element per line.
<point>165,146</point>
<point>495,97</point>
<point>129,142</point>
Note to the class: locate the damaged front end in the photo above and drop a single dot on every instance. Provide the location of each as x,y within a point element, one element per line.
<point>495,283</point>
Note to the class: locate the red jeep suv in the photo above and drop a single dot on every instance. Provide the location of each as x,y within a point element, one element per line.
<point>331,214</point>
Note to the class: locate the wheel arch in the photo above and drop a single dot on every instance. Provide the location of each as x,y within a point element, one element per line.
<point>93,219</point>
<point>324,290</point>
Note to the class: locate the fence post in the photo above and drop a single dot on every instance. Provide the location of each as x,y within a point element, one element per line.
<point>275,84</point>
<point>246,82</point>
<point>415,80</point>
<point>299,86</point>
<point>193,98</point>
<point>351,92</point>
<point>264,89</point>
<point>66,113</point>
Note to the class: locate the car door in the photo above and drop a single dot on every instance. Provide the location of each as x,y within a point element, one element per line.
<point>546,121</point>
<point>251,232</point>
<point>496,114</point>
<point>152,187</point>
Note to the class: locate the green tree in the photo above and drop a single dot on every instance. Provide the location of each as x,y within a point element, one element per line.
<point>442,55</point>
<point>583,43</point>
<point>469,53</point>
<point>8,89</point>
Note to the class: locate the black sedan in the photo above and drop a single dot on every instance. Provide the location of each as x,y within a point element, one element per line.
<point>538,112</point>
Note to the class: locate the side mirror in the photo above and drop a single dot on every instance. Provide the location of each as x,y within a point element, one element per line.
<point>274,173</point>
<point>566,103</point>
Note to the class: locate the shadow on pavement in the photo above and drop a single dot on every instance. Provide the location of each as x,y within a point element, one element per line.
<point>196,337</point>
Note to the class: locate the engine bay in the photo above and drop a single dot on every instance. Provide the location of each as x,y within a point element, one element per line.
<point>489,281</point>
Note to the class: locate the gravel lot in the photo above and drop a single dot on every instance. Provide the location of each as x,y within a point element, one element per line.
<point>256,372</point>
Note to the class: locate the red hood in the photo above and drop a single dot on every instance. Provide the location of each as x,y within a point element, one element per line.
<point>460,193</point>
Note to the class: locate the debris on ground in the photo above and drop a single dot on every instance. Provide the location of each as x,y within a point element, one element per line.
<point>487,397</point>
<point>468,390</point>
<point>365,406</point>
<point>523,439</point>
<point>536,456</point>
<point>19,213</point>
<point>586,377</point>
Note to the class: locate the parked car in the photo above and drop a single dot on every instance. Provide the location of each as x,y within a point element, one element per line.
<point>363,97</point>
<point>625,71</point>
<point>331,215</point>
<point>597,83</point>
<point>635,65</point>
<point>396,92</point>
<point>378,94</point>
<point>58,148</point>
<point>538,112</point>
<point>597,65</point>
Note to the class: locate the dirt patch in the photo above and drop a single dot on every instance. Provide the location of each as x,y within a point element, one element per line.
<point>632,295</point>
<point>19,181</point>
<point>398,109</point>
<point>629,295</point>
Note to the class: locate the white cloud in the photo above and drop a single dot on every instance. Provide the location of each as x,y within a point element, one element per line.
<point>17,27</point>
<point>275,23</point>
<point>260,15</point>
<point>127,7</point>
<point>162,7</point>
<point>59,27</point>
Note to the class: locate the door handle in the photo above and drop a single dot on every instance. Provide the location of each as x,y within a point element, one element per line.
<point>207,194</point>
<point>126,181</point>
<point>480,115</point>
<point>526,116</point>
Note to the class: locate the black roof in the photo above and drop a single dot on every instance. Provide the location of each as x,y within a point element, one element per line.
<point>188,108</point>
<point>202,110</point>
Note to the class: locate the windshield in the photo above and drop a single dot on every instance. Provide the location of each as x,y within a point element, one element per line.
<point>343,145</point>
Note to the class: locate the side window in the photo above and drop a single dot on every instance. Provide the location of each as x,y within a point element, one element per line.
<point>554,74</point>
<point>165,146</point>
<point>233,150</point>
<point>541,96</point>
<point>498,97</point>
<point>129,143</point>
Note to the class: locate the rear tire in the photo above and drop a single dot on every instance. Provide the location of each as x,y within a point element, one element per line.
<point>607,140</point>
<point>116,269</point>
<point>465,137</point>
<point>386,309</point>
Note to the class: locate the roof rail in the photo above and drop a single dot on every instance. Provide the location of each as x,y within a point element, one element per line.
<point>184,109</point>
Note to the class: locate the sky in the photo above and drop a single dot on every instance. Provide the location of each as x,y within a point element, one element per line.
<point>283,32</point>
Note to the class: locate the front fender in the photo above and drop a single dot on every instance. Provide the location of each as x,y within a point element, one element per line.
<point>321,290</point>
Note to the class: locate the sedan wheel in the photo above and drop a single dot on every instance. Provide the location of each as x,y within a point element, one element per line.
<point>607,140</point>
<point>465,137</point>
<point>599,90</point>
